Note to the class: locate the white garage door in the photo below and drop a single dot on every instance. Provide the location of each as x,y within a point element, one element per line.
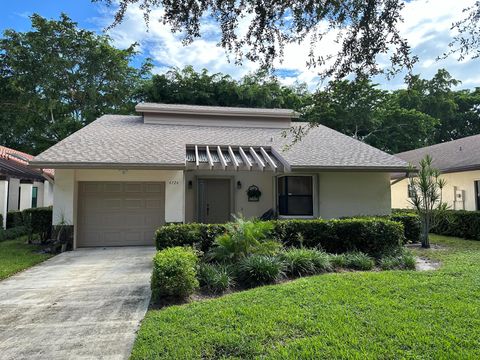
<point>119,213</point>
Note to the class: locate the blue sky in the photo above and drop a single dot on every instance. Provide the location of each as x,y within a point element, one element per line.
<point>426,27</point>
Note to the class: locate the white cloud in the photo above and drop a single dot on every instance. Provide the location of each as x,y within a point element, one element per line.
<point>426,26</point>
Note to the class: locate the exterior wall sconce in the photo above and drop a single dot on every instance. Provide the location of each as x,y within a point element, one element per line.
<point>239,185</point>
<point>190,184</point>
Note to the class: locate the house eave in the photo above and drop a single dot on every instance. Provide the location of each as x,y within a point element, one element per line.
<point>389,169</point>
<point>104,165</point>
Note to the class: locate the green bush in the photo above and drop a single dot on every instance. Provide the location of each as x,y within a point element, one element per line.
<point>14,219</point>
<point>13,233</point>
<point>358,261</point>
<point>373,236</point>
<point>403,260</point>
<point>243,238</point>
<point>38,221</point>
<point>257,270</point>
<point>215,278</point>
<point>411,224</point>
<point>459,223</point>
<point>200,236</point>
<point>338,261</point>
<point>174,273</point>
<point>301,262</point>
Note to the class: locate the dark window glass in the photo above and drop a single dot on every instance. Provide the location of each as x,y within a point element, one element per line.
<point>411,191</point>
<point>34,197</point>
<point>295,195</point>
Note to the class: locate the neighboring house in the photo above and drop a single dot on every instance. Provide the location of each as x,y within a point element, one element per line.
<point>22,187</point>
<point>121,177</point>
<point>459,163</point>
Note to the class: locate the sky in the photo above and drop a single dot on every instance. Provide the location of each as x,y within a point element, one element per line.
<point>426,26</point>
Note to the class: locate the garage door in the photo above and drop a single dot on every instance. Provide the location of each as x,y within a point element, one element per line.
<point>119,213</point>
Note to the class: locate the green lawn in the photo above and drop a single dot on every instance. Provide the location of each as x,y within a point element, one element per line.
<point>16,255</point>
<point>372,315</point>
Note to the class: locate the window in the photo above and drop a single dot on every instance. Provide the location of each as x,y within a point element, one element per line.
<point>411,191</point>
<point>34,197</point>
<point>295,195</point>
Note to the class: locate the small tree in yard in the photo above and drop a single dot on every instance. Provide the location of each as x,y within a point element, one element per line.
<point>426,196</point>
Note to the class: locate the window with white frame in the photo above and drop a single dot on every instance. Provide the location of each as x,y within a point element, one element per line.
<point>295,195</point>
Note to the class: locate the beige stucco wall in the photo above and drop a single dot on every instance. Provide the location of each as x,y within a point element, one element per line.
<point>353,193</point>
<point>462,181</point>
<point>240,203</point>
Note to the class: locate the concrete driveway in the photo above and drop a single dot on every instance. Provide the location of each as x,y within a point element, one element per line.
<point>85,304</point>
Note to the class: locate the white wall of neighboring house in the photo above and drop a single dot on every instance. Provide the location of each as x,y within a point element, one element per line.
<point>13,193</point>
<point>460,182</point>
<point>3,201</point>
<point>25,196</point>
<point>47,193</point>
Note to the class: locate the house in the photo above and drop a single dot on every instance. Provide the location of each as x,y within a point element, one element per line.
<point>22,187</point>
<point>119,178</point>
<point>459,163</point>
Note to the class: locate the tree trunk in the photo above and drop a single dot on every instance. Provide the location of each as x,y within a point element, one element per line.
<point>425,230</point>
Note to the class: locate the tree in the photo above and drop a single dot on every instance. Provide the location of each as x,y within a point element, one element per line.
<point>57,78</point>
<point>362,29</point>
<point>186,86</point>
<point>426,189</point>
<point>466,43</point>
<point>361,110</point>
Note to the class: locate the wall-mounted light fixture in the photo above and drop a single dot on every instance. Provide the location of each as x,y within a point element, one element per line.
<point>190,184</point>
<point>239,185</point>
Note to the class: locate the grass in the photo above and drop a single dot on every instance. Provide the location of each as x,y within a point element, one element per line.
<point>363,315</point>
<point>16,255</point>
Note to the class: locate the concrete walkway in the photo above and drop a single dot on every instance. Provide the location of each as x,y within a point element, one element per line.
<point>85,304</point>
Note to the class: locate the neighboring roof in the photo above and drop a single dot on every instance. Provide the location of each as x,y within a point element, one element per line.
<point>116,140</point>
<point>15,163</point>
<point>214,110</point>
<point>452,156</point>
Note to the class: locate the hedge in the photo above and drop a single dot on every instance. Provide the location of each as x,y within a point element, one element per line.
<point>459,223</point>
<point>38,221</point>
<point>411,224</point>
<point>14,219</point>
<point>373,236</point>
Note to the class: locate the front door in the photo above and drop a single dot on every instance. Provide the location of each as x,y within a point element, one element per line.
<point>214,201</point>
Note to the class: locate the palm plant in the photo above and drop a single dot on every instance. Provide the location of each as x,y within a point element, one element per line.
<point>426,196</point>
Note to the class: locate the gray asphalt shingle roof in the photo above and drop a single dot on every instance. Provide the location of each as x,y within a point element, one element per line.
<point>126,140</point>
<point>457,155</point>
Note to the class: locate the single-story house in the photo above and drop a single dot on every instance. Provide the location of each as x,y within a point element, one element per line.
<point>121,177</point>
<point>22,187</point>
<point>459,164</point>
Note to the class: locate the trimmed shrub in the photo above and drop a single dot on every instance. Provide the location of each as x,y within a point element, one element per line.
<point>404,260</point>
<point>14,219</point>
<point>215,278</point>
<point>358,261</point>
<point>301,262</point>
<point>257,270</point>
<point>411,224</point>
<point>174,273</point>
<point>459,223</point>
<point>13,233</point>
<point>200,236</point>
<point>373,236</point>
<point>38,221</point>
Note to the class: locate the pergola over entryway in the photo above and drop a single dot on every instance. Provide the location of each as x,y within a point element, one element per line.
<point>229,157</point>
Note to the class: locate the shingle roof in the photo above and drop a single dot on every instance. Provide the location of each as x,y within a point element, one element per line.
<point>457,155</point>
<point>126,140</point>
